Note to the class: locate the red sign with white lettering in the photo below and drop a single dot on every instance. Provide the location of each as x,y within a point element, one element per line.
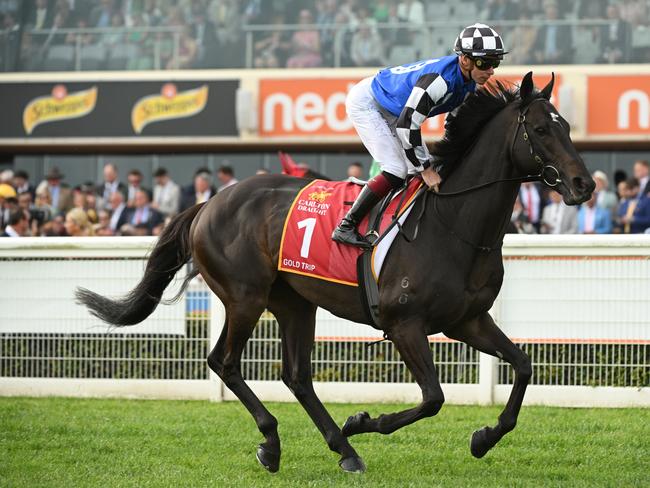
<point>316,107</point>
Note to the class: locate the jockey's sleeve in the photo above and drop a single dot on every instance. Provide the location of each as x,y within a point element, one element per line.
<point>429,91</point>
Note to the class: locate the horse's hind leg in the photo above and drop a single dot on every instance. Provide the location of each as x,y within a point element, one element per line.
<point>225,360</point>
<point>296,318</point>
<point>413,346</point>
<point>483,334</point>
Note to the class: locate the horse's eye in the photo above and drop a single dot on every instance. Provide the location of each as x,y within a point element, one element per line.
<point>540,130</point>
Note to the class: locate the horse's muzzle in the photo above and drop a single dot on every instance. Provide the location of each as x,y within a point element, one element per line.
<point>579,190</point>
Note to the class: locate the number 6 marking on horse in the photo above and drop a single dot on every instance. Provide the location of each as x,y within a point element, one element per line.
<point>310,223</point>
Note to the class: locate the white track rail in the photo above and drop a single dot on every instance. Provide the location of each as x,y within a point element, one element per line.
<point>577,304</point>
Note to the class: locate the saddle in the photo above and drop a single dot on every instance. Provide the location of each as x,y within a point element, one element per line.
<point>307,249</point>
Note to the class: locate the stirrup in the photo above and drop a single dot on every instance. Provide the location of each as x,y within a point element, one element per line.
<point>350,238</point>
<point>371,236</point>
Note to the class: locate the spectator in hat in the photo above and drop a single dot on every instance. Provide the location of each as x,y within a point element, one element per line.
<point>18,224</point>
<point>60,193</point>
<point>166,193</point>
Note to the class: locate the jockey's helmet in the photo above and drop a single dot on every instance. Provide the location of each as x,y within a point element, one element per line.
<point>479,40</point>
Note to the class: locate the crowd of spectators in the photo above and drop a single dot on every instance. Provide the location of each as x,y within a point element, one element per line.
<point>623,211</point>
<point>112,207</point>
<point>115,207</point>
<point>211,33</point>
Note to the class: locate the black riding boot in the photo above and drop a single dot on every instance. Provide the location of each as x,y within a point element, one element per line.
<point>346,232</point>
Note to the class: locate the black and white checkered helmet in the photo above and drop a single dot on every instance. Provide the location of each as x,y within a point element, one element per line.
<point>479,40</point>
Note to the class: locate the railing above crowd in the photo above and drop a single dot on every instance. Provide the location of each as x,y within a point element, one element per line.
<point>316,36</point>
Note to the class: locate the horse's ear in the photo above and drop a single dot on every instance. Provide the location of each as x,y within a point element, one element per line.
<point>526,88</point>
<point>548,89</point>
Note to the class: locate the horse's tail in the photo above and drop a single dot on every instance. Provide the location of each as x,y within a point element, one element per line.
<point>169,255</point>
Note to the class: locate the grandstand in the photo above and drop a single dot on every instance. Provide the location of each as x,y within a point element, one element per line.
<point>49,35</point>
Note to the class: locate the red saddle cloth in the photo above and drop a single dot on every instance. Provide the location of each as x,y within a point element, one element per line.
<point>307,247</point>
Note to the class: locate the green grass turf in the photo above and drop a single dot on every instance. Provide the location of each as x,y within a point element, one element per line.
<point>71,443</point>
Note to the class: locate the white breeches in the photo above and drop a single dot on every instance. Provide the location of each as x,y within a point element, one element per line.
<point>377,130</point>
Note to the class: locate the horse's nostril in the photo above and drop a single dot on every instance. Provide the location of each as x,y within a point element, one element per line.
<point>581,184</point>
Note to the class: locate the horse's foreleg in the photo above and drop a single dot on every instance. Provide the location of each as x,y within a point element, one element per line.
<point>483,334</point>
<point>225,360</point>
<point>297,324</point>
<point>413,346</point>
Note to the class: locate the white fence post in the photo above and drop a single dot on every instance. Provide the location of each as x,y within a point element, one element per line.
<point>487,378</point>
<point>217,320</point>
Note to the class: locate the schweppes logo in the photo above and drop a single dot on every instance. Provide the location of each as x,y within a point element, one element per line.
<point>60,105</point>
<point>319,196</point>
<point>170,104</point>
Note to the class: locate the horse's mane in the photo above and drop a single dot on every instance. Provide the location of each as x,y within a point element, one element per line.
<point>464,123</point>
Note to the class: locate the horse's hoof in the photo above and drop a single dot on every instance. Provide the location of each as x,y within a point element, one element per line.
<point>353,424</point>
<point>352,465</point>
<point>267,458</point>
<point>479,445</point>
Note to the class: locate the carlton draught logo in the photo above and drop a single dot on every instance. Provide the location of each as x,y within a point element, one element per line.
<point>315,201</point>
<point>320,196</point>
<point>170,104</point>
<point>60,105</point>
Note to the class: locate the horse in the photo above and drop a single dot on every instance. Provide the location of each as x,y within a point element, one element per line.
<point>445,280</point>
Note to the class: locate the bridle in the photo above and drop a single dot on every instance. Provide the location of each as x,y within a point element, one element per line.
<point>552,180</point>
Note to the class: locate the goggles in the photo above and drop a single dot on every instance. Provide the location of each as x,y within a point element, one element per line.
<point>485,64</point>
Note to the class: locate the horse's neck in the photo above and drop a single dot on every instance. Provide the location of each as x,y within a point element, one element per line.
<point>484,212</point>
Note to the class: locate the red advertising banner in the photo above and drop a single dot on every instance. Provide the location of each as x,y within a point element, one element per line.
<point>290,107</point>
<point>618,105</point>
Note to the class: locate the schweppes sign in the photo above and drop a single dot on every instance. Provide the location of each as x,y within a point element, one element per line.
<point>169,104</point>
<point>60,105</point>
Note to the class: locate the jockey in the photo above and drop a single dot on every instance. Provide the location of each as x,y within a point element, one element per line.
<point>388,109</point>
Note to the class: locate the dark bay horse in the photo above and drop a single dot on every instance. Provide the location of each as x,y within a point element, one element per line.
<point>444,281</point>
